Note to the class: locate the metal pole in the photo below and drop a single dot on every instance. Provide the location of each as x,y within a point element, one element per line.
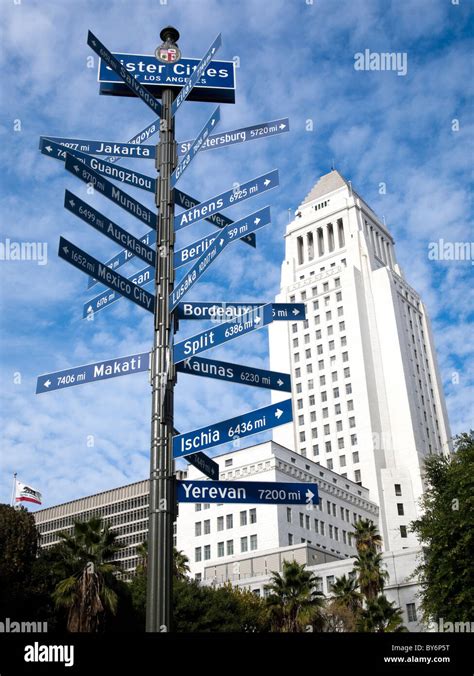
<point>162,509</point>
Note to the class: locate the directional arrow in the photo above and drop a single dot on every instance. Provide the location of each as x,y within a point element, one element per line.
<point>309,496</point>
<point>279,382</point>
<point>278,413</point>
<point>47,383</point>
<point>49,149</point>
<point>266,182</point>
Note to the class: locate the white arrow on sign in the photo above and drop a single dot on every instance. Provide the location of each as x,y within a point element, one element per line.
<point>278,413</point>
<point>296,312</point>
<point>76,168</point>
<point>49,149</point>
<point>72,203</point>
<point>309,495</point>
<point>266,182</point>
<point>257,221</point>
<point>282,126</point>
<point>280,382</point>
<point>47,383</point>
<point>65,249</point>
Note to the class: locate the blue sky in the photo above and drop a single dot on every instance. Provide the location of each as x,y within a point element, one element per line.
<point>296,60</point>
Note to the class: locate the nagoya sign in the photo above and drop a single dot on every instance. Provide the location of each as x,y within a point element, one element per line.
<point>235,428</point>
<point>244,191</point>
<point>248,492</point>
<point>134,86</point>
<point>228,138</point>
<point>235,373</point>
<point>90,373</point>
<point>91,266</point>
<point>217,84</point>
<point>108,189</point>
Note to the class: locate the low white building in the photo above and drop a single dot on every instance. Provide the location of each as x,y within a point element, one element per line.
<point>210,533</point>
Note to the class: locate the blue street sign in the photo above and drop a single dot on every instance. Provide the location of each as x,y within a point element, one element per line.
<point>181,257</point>
<point>133,178</point>
<point>217,84</point>
<point>90,373</point>
<point>232,232</point>
<point>107,297</point>
<point>228,138</point>
<point>83,261</point>
<point>235,373</point>
<point>260,420</point>
<point>225,311</point>
<point>108,228</point>
<point>81,145</point>
<point>129,80</point>
<point>185,201</point>
<point>196,75</point>
<point>248,492</point>
<point>204,465</point>
<point>222,333</point>
<point>143,135</point>
<point>111,191</point>
<point>244,191</point>
<point>194,149</point>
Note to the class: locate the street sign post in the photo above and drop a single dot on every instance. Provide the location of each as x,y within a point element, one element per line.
<point>217,84</point>
<point>244,191</point>
<point>260,420</point>
<point>222,333</point>
<point>204,465</point>
<point>108,297</point>
<point>248,492</point>
<point>110,190</point>
<point>224,311</point>
<point>228,138</point>
<point>196,75</point>
<point>249,224</point>
<point>235,373</point>
<point>86,263</point>
<point>134,86</point>
<point>91,373</point>
<point>184,163</point>
<point>108,228</point>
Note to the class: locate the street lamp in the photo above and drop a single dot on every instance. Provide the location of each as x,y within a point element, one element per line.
<point>168,51</point>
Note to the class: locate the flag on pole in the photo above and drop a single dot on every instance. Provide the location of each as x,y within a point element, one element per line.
<point>25,493</point>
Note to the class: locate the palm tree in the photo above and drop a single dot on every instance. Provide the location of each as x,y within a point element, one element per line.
<point>345,602</point>
<point>88,592</point>
<point>370,575</point>
<point>293,601</point>
<point>381,616</point>
<point>367,536</point>
<point>180,565</point>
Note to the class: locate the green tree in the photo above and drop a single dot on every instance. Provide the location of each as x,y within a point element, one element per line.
<point>446,531</point>
<point>380,615</point>
<point>18,549</point>
<point>294,601</point>
<point>89,592</point>
<point>345,604</point>
<point>370,575</point>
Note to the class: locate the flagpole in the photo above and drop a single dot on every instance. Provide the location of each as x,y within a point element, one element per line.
<point>13,490</point>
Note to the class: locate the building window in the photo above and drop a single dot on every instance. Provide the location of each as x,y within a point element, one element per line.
<point>253,543</point>
<point>329,582</point>
<point>207,527</point>
<point>347,372</point>
<point>330,330</point>
<point>334,376</point>
<point>348,388</point>
<point>329,464</point>
<point>301,520</point>
<point>340,311</point>
<point>302,436</point>
<point>322,527</point>
<point>400,509</point>
<point>198,507</point>
<point>290,539</point>
<point>229,521</point>
<point>353,439</point>
<point>220,549</point>
<point>244,546</point>
<point>411,612</point>
<point>355,457</point>
<point>314,433</point>
<point>312,416</point>
<point>321,364</point>
<point>228,463</point>
<point>197,528</point>
<point>288,514</point>
<point>207,552</point>
<point>403,532</point>
<point>398,489</point>
<point>324,396</point>
<point>307,522</point>
<point>230,547</point>
<point>198,554</point>
<point>328,447</point>
<point>300,403</point>
<point>326,429</point>
<point>316,449</point>
<point>350,405</point>
<point>325,412</point>
<point>342,326</point>
<point>352,422</point>
<point>338,296</point>
<point>318,334</point>
<point>331,531</point>
<point>311,400</point>
<point>253,515</point>
<point>357,476</point>
<point>243,518</point>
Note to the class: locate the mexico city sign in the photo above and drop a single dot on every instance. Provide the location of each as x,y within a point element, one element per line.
<point>256,421</point>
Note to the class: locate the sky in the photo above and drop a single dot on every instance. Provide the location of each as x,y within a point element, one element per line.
<point>404,140</point>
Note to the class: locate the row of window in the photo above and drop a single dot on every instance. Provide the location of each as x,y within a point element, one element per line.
<point>323,241</point>
<point>245,518</point>
<point>247,543</point>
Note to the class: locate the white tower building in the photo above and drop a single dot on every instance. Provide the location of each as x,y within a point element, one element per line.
<point>367,395</point>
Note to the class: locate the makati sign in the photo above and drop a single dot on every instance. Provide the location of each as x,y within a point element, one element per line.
<point>217,84</point>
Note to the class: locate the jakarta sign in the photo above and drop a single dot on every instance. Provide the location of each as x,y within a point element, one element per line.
<point>217,84</point>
